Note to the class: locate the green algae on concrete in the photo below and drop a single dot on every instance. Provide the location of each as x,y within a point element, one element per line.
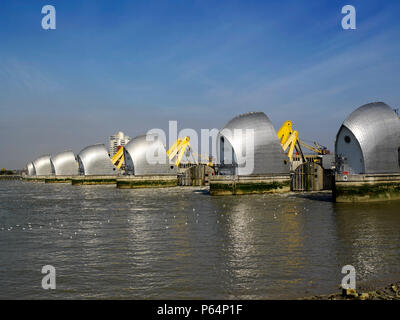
<point>35,178</point>
<point>59,179</point>
<point>239,185</point>
<point>93,180</point>
<point>221,188</point>
<point>10,177</point>
<point>49,179</point>
<point>249,188</point>
<point>366,188</point>
<point>135,182</point>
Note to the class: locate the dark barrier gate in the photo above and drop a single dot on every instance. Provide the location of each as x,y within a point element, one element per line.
<point>310,176</point>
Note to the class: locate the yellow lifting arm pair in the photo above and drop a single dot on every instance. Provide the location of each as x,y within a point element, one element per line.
<point>118,158</point>
<point>288,138</point>
<point>178,149</point>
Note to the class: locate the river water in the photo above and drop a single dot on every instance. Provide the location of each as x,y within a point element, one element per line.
<point>181,243</point>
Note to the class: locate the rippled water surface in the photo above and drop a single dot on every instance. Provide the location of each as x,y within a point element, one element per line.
<point>181,243</point>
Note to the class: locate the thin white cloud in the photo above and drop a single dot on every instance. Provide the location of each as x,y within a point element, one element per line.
<point>21,75</point>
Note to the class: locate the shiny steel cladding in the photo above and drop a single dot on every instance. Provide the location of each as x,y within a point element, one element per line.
<point>42,166</point>
<point>375,127</point>
<point>30,169</point>
<point>65,164</point>
<point>94,160</point>
<point>136,160</point>
<point>268,156</point>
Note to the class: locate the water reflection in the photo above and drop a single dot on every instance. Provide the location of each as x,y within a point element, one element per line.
<point>264,240</point>
<point>367,233</point>
<point>180,243</point>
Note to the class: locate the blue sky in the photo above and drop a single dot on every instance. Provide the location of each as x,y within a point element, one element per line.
<point>134,65</point>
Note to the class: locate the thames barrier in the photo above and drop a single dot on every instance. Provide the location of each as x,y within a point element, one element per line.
<point>365,166</point>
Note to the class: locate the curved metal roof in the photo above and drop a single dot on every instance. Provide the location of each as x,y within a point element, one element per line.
<point>65,164</point>
<point>136,160</point>
<point>42,166</point>
<point>94,160</point>
<point>268,156</point>
<point>30,169</point>
<point>377,129</point>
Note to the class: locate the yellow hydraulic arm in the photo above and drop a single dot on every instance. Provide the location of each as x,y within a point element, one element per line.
<point>285,131</point>
<point>203,158</point>
<point>310,147</point>
<point>178,149</point>
<point>118,158</point>
<point>288,138</point>
<point>317,149</point>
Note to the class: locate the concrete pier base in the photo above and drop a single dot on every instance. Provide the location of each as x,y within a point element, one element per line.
<point>93,180</point>
<point>35,178</point>
<point>10,177</point>
<point>237,185</point>
<point>366,187</point>
<point>133,182</point>
<point>59,179</point>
